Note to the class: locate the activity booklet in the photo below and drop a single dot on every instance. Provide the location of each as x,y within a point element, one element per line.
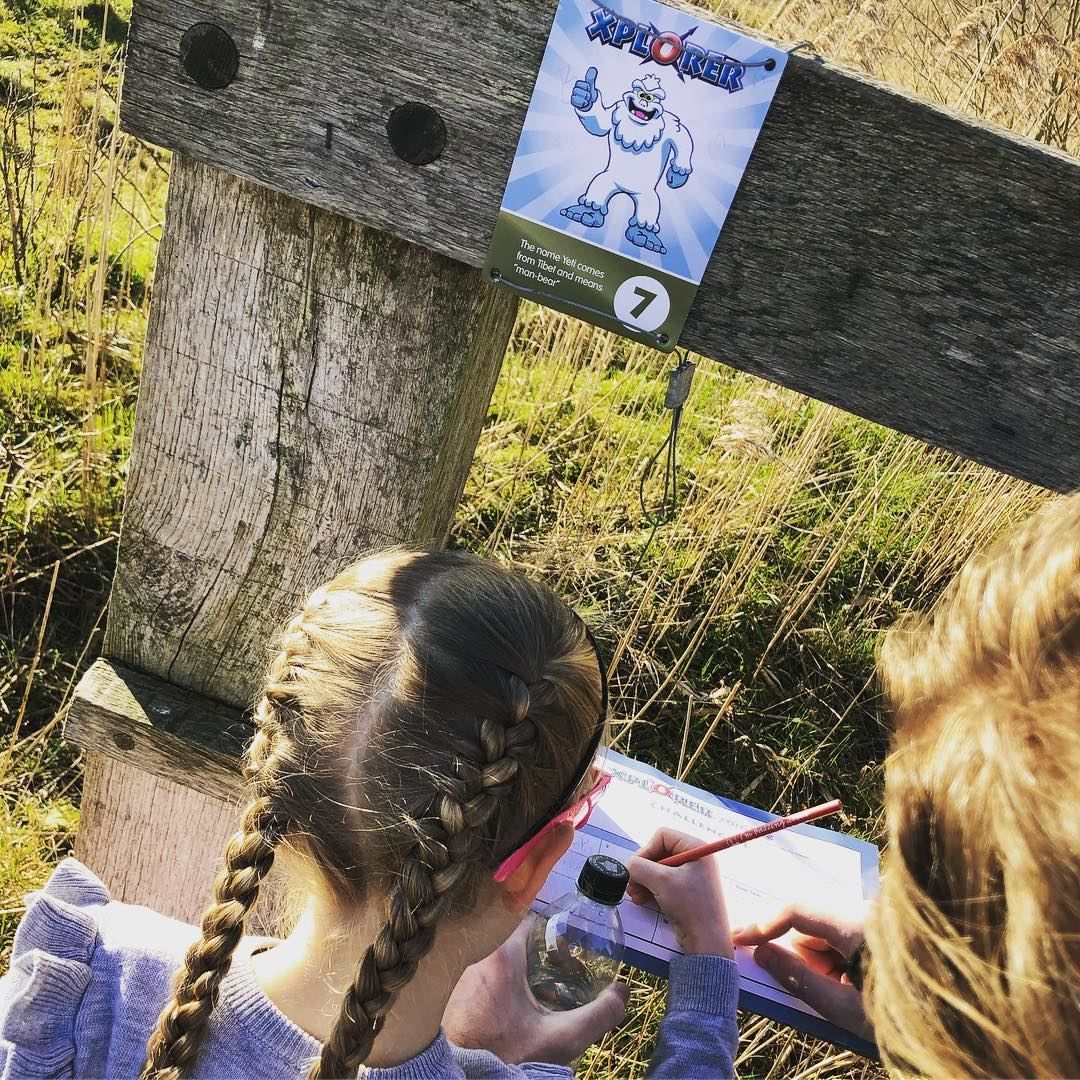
<point>806,863</point>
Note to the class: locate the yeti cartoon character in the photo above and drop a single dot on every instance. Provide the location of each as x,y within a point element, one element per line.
<point>644,142</point>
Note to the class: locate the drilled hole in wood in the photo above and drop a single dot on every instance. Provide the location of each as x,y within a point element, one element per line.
<point>209,55</point>
<point>416,132</point>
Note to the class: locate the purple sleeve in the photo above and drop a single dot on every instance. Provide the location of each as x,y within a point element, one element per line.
<point>483,1065</point>
<point>42,992</point>
<point>699,1034</point>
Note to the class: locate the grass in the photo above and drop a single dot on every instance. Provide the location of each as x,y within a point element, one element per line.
<point>741,641</point>
<point>82,206</point>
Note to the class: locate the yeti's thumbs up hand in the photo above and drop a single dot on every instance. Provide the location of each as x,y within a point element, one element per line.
<point>585,93</point>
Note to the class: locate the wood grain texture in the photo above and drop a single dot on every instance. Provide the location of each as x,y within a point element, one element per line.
<point>162,729</point>
<point>311,389</point>
<point>882,254</point>
<point>159,843</point>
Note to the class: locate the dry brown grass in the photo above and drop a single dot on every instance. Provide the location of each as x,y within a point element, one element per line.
<point>741,645</point>
<point>1016,62</point>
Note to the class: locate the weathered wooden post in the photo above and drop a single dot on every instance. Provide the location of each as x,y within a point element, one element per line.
<point>313,386</point>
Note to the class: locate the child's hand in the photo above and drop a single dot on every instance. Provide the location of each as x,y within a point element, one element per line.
<point>691,896</point>
<point>491,1008</point>
<point>813,966</point>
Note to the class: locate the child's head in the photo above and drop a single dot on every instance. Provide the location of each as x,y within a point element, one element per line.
<point>422,714</point>
<point>976,937</point>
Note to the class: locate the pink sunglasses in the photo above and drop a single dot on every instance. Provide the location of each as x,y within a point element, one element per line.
<point>577,815</point>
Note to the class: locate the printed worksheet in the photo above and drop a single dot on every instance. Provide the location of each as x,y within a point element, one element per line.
<point>806,863</point>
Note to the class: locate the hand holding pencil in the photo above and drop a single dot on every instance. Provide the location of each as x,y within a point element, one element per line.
<point>766,828</point>
<point>674,870</point>
<point>691,896</point>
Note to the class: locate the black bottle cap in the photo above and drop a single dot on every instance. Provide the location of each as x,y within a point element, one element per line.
<point>603,879</point>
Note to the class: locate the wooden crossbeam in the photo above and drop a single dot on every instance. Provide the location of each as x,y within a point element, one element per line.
<point>162,791</point>
<point>138,719</point>
<point>882,254</point>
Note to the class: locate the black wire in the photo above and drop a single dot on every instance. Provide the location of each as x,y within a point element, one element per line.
<point>649,465</point>
<point>673,458</point>
<point>671,490</point>
<point>664,508</point>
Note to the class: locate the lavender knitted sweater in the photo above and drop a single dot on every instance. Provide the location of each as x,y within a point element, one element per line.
<point>89,977</point>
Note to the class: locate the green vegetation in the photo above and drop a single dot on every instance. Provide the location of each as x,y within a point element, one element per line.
<point>741,642</point>
<point>81,212</point>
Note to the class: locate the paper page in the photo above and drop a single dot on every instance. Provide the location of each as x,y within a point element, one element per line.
<point>760,877</point>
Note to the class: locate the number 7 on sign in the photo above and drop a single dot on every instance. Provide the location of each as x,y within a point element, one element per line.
<point>646,299</point>
<point>642,302</point>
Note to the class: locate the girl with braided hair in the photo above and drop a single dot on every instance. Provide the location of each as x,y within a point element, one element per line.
<point>424,749</point>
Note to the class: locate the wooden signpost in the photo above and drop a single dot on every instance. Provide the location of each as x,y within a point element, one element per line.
<point>321,349</point>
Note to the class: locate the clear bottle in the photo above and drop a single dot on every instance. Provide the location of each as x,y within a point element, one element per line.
<point>575,950</point>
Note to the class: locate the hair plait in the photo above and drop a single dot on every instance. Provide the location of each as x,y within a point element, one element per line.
<point>437,867</point>
<point>420,713</point>
<point>249,857</point>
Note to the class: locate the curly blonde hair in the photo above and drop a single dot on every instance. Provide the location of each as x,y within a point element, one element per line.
<point>975,940</point>
<point>419,716</point>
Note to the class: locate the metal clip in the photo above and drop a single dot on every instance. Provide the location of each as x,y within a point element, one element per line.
<point>678,389</point>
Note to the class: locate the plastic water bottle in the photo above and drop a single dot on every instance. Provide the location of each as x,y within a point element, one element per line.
<point>575,950</point>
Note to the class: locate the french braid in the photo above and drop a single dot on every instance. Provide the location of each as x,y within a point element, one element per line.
<point>422,711</point>
<point>459,819</point>
<point>249,856</point>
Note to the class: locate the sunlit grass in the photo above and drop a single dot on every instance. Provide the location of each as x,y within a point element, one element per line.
<point>741,642</point>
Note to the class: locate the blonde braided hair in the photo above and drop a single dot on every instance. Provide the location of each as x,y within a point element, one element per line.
<point>448,840</point>
<point>424,707</point>
<point>249,857</point>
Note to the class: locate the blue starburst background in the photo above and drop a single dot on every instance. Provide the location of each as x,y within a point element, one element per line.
<point>557,157</point>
